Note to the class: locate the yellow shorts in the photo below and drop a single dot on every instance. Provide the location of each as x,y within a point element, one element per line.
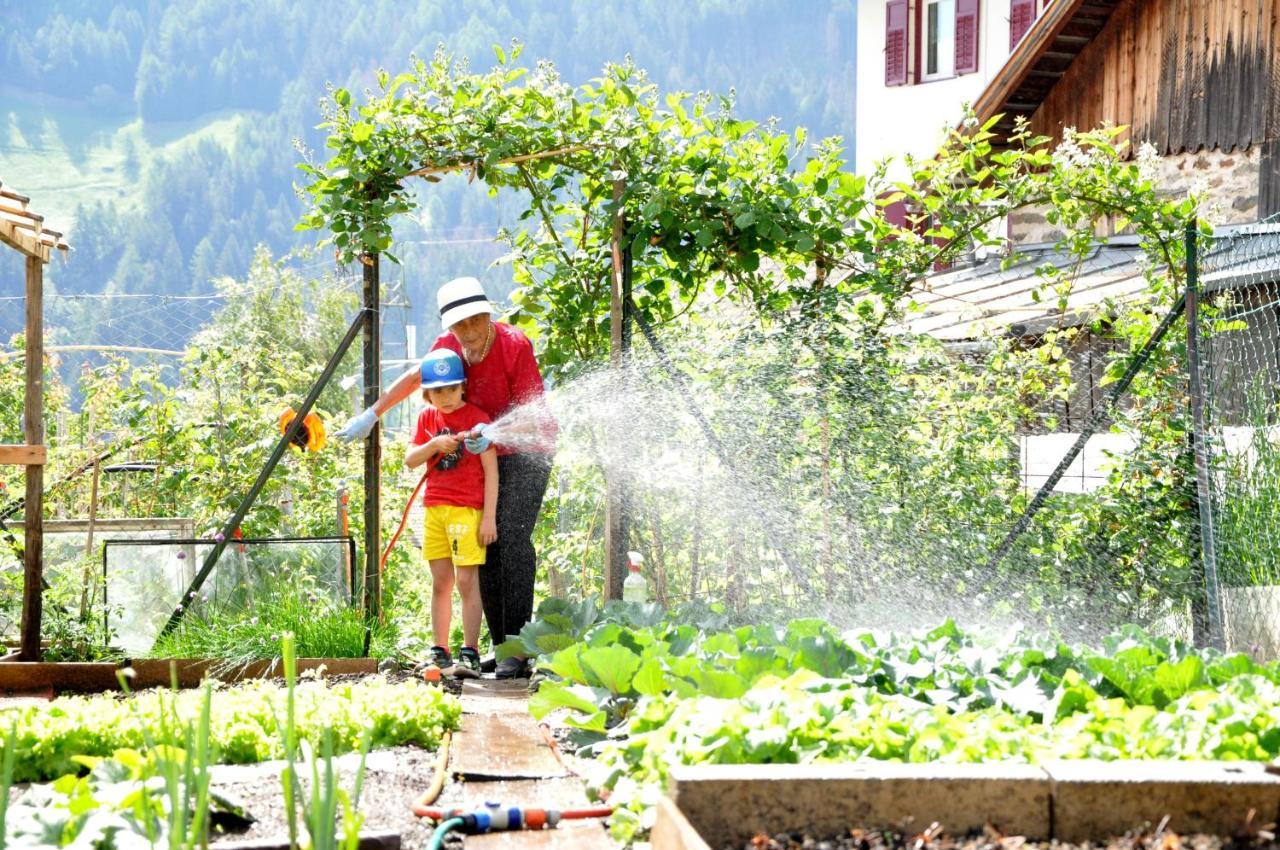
<point>453,532</point>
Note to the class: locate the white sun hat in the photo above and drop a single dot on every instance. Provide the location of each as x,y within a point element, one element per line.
<point>461,298</point>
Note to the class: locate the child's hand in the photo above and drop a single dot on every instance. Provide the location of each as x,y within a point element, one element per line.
<point>488,531</point>
<point>445,444</point>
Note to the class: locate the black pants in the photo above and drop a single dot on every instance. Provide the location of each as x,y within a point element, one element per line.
<point>506,579</point>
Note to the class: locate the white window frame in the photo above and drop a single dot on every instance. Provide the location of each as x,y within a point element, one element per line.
<point>946,53</point>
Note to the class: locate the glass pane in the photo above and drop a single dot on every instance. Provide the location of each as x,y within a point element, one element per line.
<point>931,65</point>
<point>940,37</point>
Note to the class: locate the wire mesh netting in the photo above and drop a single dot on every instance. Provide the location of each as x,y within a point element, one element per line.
<point>145,581</point>
<point>1239,366</point>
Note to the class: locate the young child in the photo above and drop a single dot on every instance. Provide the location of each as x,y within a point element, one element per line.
<point>461,500</point>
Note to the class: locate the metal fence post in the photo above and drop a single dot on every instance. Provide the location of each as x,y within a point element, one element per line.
<point>372,352</point>
<point>1204,492</point>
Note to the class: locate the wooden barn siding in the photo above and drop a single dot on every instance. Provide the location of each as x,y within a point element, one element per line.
<point>1185,75</point>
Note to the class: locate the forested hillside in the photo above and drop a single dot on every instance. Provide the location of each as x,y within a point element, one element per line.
<point>164,134</point>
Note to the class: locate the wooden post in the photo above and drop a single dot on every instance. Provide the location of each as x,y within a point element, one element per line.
<point>373,445</point>
<point>33,430</point>
<point>616,524</point>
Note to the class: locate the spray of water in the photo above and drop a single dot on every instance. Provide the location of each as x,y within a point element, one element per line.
<point>757,481</point>
<point>524,428</point>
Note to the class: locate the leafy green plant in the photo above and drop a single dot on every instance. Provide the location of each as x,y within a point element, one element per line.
<point>243,722</point>
<point>1248,504</point>
<point>602,673</point>
<point>644,696</point>
<point>328,799</point>
<point>7,755</point>
<point>159,795</point>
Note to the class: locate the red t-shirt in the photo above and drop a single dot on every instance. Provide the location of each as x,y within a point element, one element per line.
<point>457,478</point>
<point>507,377</point>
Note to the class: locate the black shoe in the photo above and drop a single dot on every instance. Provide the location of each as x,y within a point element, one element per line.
<point>488,663</point>
<point>512,668</point>
<point>441,658</point>
<point>468,666</point>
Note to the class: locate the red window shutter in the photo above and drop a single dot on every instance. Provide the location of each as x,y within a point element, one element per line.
<point>1022,14</point>
<point>895,43</point>
<point>966,36</point>
<point>896,214</point>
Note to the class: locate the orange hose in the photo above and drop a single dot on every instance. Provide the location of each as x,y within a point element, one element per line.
<point>404,519</point>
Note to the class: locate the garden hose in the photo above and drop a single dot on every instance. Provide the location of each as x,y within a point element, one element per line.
<point>552,745</point>
<point>495,817</point>
<point>437,837</point>
<point>404,518</point>
<point>420,805</point>
<point>310,436</point>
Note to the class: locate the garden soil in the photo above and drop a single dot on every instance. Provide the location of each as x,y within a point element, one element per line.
<point>394,778</point>
<point>1262,838</point>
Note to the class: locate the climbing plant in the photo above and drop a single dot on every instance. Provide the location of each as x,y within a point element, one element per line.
<point>709,205</point>
<point>760,228</point>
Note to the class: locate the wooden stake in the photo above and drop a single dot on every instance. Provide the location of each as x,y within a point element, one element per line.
<point>428,170</point>
<point>33,431</point>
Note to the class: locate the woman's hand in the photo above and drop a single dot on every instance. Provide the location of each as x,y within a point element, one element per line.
<point>359,426</point>
<point>488,530</point>
<point>475,440</point>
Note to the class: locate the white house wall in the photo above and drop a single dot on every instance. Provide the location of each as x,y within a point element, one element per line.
<point>913,119</point>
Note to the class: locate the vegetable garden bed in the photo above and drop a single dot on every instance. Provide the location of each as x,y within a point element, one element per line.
<point>1072,801</point>
<point>97,677</point>
<point>648,694</point>
<point>149,765</point>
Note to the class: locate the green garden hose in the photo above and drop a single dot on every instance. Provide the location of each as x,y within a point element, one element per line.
<point>437,837</point>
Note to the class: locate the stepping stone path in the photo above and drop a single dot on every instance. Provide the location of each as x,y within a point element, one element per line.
<point>500,754</point>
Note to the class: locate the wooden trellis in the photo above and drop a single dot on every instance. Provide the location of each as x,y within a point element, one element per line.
<point>24,231</point>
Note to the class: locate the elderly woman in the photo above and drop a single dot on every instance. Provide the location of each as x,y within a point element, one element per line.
<point>502,375</point>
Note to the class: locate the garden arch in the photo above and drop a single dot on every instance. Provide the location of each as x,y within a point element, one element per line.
<point>645,202</point>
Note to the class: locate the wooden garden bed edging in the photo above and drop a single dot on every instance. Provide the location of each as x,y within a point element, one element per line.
<point>1071,801</point>
<point>157,673</point>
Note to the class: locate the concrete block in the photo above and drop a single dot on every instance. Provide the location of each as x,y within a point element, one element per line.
<point>1094,800</point>
<point>728,804</point>
<point>672,830</point>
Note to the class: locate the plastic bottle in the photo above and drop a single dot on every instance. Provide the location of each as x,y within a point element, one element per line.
<point>634,587</point>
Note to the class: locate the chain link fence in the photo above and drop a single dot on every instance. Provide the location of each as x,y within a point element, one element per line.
<point>1238,365</point>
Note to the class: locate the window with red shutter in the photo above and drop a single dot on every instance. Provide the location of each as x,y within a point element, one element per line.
<point>1022,14</point>
<point>966,36</point>
<point>895,43</point>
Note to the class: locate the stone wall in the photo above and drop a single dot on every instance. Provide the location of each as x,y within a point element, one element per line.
<point>1228,180</point>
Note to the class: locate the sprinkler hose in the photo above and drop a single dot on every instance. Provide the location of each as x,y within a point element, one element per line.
<point>422,805</point>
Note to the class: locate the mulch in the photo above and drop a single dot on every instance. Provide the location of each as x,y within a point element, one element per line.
<point>393,779</point>
<point>1144,838</point>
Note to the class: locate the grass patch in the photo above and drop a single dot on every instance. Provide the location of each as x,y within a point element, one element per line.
<point>321,629</point>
